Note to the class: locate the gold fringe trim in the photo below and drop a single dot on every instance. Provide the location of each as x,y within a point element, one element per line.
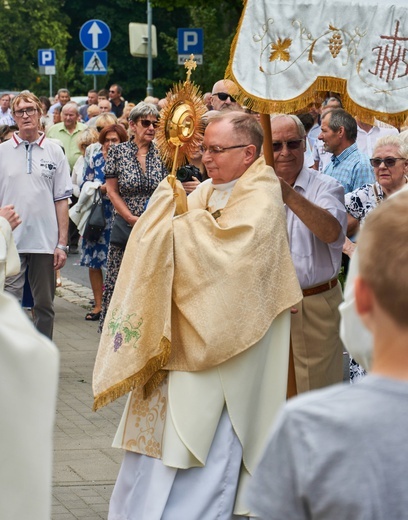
<point>154,382</point>
<point>318,89</point>
<point>150,375</point>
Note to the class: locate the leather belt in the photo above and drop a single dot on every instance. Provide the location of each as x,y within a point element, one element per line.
<point>320,288</point>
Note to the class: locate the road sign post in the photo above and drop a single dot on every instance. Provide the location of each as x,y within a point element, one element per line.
<point>46,63</point>
<point>95,35</point>
<point>190,41</point>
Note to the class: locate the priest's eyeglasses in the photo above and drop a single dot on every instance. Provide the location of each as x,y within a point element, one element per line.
<point>219,149</point>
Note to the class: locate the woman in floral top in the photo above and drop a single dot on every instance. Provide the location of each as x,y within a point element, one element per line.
<point>133,171</point>
<point>94,253</point>
<point>390,163</point>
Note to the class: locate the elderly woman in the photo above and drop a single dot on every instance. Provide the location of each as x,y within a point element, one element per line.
<point>133,171</point>
<point>390,163</point>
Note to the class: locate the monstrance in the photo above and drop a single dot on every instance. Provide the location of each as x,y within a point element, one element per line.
<point>180,129</point>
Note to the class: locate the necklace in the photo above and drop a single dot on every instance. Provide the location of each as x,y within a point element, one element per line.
<point>142,154</point>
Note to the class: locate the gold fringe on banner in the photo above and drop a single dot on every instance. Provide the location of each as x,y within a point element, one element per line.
<point>318,89</point>
<point>149,377</point>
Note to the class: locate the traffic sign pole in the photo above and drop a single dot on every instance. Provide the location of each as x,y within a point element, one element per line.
<point>149,90</point>
<point>46,63</point>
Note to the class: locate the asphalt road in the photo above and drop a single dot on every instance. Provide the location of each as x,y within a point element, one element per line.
<point>75,272</point>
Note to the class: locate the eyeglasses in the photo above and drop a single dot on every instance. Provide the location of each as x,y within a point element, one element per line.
<point>112,91</point>
<point>146,123</point>
<point>290,145</point>
<point>219,149</point>
<point>389,162</point>
<point>30,111</point>
<point>224,96</point>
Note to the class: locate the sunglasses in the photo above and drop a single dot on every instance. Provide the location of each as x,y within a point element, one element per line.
<point>223,96</point>
<point>389,162</point>
<point>291,145</point>
<point>146,123</point>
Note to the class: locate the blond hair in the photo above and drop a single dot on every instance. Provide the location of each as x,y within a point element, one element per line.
<point>383,255</point>
<point>87,137</point>
<point>106,119</point>
<point>28,97</point>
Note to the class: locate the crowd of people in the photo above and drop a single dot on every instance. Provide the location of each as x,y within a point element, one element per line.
<point>236,300</point>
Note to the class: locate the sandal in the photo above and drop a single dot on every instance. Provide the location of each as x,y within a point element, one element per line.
<point>93,316</point>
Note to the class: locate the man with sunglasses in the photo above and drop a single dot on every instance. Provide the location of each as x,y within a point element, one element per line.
<point>115,97</point>
<point>222,97</point>
<point>316,222</point>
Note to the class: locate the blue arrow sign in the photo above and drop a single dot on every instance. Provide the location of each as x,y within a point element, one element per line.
<point>95,62</point>
<point>46,57</point>
<point>95,35</point>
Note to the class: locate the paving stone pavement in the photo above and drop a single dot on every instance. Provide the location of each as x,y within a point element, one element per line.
<point>85,465</point>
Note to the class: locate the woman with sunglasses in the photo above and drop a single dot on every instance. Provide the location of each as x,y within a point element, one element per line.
<point>133,171</point>
<point>390,163</point>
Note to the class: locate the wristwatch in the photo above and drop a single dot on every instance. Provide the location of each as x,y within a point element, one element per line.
<point>63,248</point>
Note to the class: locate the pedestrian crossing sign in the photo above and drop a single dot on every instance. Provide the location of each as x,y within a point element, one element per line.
<point>95,62</point>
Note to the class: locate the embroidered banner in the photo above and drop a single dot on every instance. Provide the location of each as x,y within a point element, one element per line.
<point>285,51</point>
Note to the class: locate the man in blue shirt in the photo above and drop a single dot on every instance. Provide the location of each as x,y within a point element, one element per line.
<point>348,165</point>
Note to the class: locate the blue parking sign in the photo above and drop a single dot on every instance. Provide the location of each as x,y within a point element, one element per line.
<point>46,58</point>
<point>190,41</point>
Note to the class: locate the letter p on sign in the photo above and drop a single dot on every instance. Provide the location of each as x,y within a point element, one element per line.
<point>190,41</point>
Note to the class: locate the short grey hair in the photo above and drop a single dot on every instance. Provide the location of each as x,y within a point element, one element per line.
<point>295,119</point>
<point>143,109</point>
<point>341,118</point>
<point>70,104</point>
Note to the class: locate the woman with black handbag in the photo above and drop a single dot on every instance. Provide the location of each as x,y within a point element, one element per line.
<point>133,171</point>
<point>95,248</point>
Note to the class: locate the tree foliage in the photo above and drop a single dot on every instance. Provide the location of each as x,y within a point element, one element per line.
<point>27,27</point>
<point>36,24</point>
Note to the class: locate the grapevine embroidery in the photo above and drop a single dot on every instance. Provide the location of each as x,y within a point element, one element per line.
<point>124,329</point>
<point>338,42</point>
<point>280,50</point>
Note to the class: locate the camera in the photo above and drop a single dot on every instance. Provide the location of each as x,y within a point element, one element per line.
<point>187,172</point>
